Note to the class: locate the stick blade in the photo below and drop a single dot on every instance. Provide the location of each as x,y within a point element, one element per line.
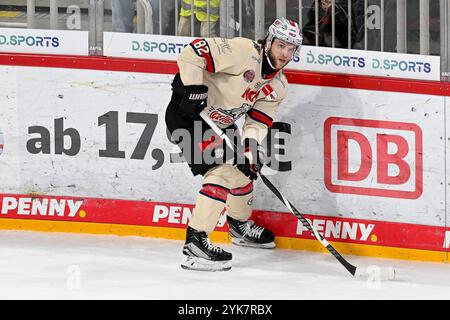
<point>375,273</point>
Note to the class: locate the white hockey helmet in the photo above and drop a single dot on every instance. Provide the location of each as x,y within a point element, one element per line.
<point>286,30</point>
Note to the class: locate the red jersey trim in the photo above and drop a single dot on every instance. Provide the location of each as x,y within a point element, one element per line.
<point>202,49</point>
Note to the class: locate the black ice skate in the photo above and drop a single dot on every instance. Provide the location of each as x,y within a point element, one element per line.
<point>200,254</point>
<point>249,234</point>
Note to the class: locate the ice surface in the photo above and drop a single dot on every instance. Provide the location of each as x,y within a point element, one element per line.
<point>75,266</point>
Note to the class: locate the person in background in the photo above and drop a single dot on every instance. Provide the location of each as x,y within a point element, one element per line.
<point>122,15</point>
<point>124,11</point>
<point>167,15</point>
<point>325,25</point>
<point>200,16</point>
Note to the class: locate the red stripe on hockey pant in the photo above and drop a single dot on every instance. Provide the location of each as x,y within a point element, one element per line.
<point>242,191</point>
<point>260,117</point>
<point>215,191</point>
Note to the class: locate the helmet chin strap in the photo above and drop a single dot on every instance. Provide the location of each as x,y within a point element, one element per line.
<point>266,52</point>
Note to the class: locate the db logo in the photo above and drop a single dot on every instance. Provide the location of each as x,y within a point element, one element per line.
<point>373,158</point>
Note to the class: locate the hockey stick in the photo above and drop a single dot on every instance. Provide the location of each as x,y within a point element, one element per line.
<point>360,272</point>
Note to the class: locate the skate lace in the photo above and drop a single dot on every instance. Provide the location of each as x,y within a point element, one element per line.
<point>210,246</point>
<point>250,229</point>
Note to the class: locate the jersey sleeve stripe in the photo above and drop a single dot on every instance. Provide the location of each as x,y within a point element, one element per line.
<point>205,53</point>
<point>260,117</point>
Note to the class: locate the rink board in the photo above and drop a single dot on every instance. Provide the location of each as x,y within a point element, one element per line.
<point>368,165</point>
<point>311,58</point>
<point>169,220</point>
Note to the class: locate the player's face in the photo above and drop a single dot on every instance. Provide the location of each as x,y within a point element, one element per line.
<point>281,53</point>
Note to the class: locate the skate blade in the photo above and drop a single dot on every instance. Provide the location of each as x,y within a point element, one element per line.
<point>200,264</point>
<point>244,243</point>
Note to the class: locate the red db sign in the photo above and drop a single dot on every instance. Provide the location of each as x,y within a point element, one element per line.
<point>373,158</point>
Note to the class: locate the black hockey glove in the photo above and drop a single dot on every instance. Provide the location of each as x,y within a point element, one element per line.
<point>252,161</point>
<point>194,100</point>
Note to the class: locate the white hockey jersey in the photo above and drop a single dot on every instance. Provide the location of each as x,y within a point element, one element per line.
<point>232,71</point>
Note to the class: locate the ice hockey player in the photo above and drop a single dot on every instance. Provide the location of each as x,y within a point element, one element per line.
<point>228,78</point>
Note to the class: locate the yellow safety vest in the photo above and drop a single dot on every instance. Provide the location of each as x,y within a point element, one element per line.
<point>200,9</point>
